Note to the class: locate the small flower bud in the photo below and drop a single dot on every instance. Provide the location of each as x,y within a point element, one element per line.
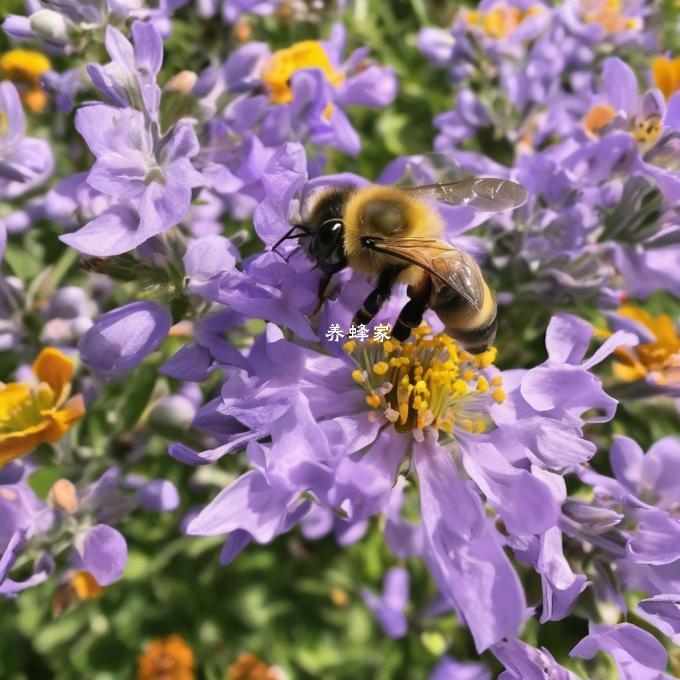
<point>182,82</point>
<point>51,26</point>
<point>64,496</point>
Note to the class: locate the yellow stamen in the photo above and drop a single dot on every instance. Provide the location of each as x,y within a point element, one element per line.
<point>381,368</point>
<point>431,383</point>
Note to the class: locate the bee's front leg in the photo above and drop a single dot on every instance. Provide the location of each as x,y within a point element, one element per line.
<point>325,281</point>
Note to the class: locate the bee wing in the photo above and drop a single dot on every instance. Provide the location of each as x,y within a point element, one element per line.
<point>446,263</point>
<point>485,194</point>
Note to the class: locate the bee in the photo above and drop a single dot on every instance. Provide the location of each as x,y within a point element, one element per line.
<point>395,235</point>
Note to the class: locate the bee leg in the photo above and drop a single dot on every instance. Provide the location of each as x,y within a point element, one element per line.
<point>411,315</point>
<point>375,299</point>
<point>325,281</point>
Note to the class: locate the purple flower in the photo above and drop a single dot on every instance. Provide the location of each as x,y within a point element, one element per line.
<point>121,338</point>
<point>129,80</point>
<point>25,163</point>
<point>637,653</point>
<point>389,607</point>
<point>149,181</point>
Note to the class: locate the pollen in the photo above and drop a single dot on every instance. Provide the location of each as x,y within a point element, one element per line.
<point>427,382</point>
<point>381,368</point>
<point>283,64</point>
<point>167,658</point>
<point>498,395</point>
<point>85,586</point>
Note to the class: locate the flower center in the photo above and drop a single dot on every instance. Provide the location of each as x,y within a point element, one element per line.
<point>428,382</point>
<point>21,406</point>
<point>283,64</point>
<point>647,130</point>
<point>501,20</point>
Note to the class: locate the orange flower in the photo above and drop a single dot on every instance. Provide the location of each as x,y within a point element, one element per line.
<point>33,414</point>
<point>666,74</point>
<point>598,118</point>
<point>661,357</point>
<point>24,68</point>
<point>168,658</point>
<point>249,667</point>
<point>81,586</point>
<point>283,64</point>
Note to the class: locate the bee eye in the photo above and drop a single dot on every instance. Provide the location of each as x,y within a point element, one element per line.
<point>329,231</point>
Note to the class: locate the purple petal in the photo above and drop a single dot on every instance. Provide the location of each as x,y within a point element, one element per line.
<point>114,232</point>
<point>159,495</point>
<point>250,504</point>
<point>638,654</point>
<point>620,85</point>
<point>121,338</point>
<point>191,362</point>
<point>466,560</point>
<point>104,553</point>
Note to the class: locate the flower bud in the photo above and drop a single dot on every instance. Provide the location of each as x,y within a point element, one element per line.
<point>174,411</point>
<point>182,82</point>
<point>51,26</point>
<point>64,496</point>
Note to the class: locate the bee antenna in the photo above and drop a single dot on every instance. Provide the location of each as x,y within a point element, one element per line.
<point>289,235</point>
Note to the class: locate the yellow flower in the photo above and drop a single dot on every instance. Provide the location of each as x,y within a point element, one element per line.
<point>24,68</point>
<point>249,667</point>
<point>666,74</point>
<point>33,414</point>
<point>661,357</point>
<point>501,20</point>
<point>283,64</point>
<point>168,658</point>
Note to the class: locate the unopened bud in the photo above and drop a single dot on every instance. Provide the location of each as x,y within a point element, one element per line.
<point>182,82</point>
<point>242,31</point>
<point>64,496</point>
<point>51,26</point>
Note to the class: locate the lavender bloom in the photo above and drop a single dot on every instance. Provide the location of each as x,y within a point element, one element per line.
<point>149,181</point>
<point>102,551</point>
<point>129,80</point>
<point>121,338</point>
<point>25,163</point>
<point>389,608</point>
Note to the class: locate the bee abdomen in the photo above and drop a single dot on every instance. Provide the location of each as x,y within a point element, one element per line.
<point>479,338</point>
